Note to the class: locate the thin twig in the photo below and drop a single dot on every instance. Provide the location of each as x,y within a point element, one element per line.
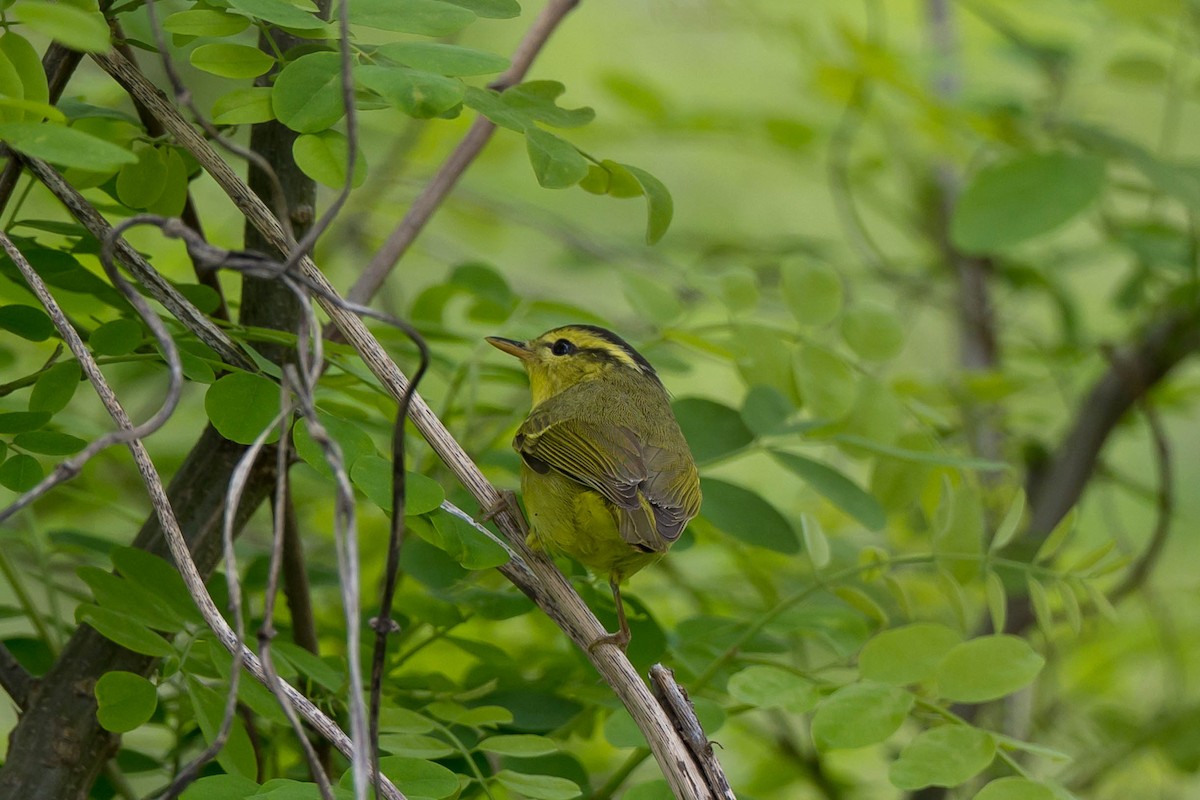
<point>431,198</point>
<point>14,678</point>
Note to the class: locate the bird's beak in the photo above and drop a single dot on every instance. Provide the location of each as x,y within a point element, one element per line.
<point>510,346</point>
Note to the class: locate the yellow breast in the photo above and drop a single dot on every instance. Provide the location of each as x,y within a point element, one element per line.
<point>567,517</point>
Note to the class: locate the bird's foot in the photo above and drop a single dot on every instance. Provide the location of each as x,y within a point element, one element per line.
<point>507,503</point>
<point>620,640</point>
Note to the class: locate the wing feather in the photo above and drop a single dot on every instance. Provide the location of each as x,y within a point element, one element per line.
<point>654,491</point>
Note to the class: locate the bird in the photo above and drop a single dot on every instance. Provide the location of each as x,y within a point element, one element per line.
<point>606,473</point>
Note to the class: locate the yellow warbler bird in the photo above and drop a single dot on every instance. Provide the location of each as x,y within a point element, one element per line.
<point>607,476</point>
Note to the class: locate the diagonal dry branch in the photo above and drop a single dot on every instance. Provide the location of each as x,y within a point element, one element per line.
<point>534,575</point>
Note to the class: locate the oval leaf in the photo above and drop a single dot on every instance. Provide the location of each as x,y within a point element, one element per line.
<point>307,96</point>
<point>126,701</point>
<point>773,687</point>
<point>836,488</point>
<point>987,668</point>
<point>65,147</point>
<point>745,515</point>
<point>859,714</point>
<point>556,162</point>
<point>907,654</point>
<point>241,405</point>
<point>1015,200</point>
<point>231,60</point>
<point>945,756</point>
<point>712,430</point>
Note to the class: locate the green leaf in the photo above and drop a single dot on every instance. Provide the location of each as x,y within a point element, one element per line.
<point>231,60</point>
<point>539,100</point>
<point>20,473</point>
<point>21,421</point>
<point>491,9</point>
<point>873,332</point>
<point>49,443</point>
<point>816,544</point>
<point>141,183</point>
<point>240,405</point>
<point>279,12</point>
<point>712,430</point>
<point>908,654</point>
<point>812,291</point>
<point>764,686</point>
<point>354,441</point>
<point>401,720</point>
<point>745,515</point>
<point>987,668</point>
<point>1014,788</point>
<point>125,597</point>
<point>245,106</point>
<point>311,666</point>
<point>466,545</point>
<point>1023,197</point>
<point>124,630</point>
<point>27,322</point>
<point>12,91</point>
<point>126,701</point>
<point>489,103</point>
<point>765,410</point>
<point>307,96</point>
<point>539,787</point>
<point>220,787</point>
<point>414,745</point>
<point>997,600</point>
<point>859,714</point>
<point>63,146</point>
<point>1058,537</point>
<point>1010,523</point>
<point>373,475</point>
<point>116,338</point>
<point>826,382</point>
<point>205,22</point>
<point>419,94</point>
<point>322,157</point>
<point>660,208</point>
<point>237,756</point>
<point>28,65</point>
<point>77,28</point>
<point>944,756</point>
<point>54,388</point>
<point>556,163</point>
<point>520,745</point>
<point>418,778</point>
<point>1041,604</point>
<point>170,203</point>
<point>836,488</point>
<point>158,577</point>
<point>425,17</point>
<point>444,59</point>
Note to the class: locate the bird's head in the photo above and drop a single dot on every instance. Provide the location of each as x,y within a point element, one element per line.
<point>563,357</point>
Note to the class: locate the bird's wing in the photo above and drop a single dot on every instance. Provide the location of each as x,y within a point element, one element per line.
<point>655,495</point>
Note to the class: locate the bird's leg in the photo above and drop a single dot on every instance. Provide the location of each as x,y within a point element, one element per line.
<point>508,502</point>
<point>621,637</point>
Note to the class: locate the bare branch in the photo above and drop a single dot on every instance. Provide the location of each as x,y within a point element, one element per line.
<point>14,678</point>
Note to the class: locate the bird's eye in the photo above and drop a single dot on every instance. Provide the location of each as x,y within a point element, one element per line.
<point>562,348</point>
